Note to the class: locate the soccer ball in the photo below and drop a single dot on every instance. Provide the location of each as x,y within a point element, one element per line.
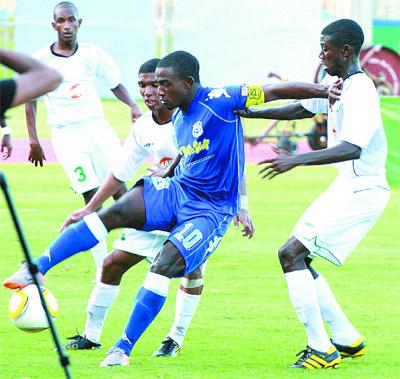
<point>26,311</point>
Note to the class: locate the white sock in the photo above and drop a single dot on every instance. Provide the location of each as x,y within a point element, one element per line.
<point>99,252</point>
<point>343,332</point>
<point>157,283</point>
<point>186,306</point>
<point>303,294</point>
<point>102,297</point>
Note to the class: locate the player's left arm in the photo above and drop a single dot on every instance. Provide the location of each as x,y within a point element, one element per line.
<point>292,90</point>
<point>285,161</point>
<point>243,217</point>
<point>122,94</point>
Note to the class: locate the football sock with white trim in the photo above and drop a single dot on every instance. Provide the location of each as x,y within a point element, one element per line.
<point>99,252</point>
<point>343,332</point>
<point>303,294</point>
<point>186,306</point>
<point>146,306</point>
<point>74,239</point>
<point>101,299</point>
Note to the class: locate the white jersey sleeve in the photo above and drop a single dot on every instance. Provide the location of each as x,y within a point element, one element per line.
<point>107,70</point>
<point>131,158</point>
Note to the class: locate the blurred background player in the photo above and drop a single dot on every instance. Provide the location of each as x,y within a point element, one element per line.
<point>83,141</point>
<point>35,79</point>
<point>152,135</point>
<point>340,218</point>
<point>6,142</point>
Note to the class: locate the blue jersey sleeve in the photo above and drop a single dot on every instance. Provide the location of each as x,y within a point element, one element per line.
<point>223,101</point>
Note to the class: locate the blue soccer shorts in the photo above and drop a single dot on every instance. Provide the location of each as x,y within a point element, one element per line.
<point>196,227</point>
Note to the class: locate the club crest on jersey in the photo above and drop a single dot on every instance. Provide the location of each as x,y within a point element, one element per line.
<point>197,129</point>
<point>195,148</point>
<point>217,93</point>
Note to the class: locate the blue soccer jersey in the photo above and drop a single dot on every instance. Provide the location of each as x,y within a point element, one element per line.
<point>211,144</point>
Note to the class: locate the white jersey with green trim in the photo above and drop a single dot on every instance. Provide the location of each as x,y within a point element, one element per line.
<point>356,119</point>
<point>147,138</point>
<point>76,99</point>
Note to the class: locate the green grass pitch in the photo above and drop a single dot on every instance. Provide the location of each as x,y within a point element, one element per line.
<point>245,326</point>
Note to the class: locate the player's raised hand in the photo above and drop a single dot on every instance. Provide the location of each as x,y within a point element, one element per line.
<point>283,162</point>
<point>135,112</point>
<point>36,154</point>
<point>6,146</point>
<point>244,218</point>
<point>75,217</point>
<point>157,170</point>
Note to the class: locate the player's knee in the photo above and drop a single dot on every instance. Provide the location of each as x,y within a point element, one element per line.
<point>287,257</point>
<point>112,272</point>
<point>192,286</point>
<point>169,262</point>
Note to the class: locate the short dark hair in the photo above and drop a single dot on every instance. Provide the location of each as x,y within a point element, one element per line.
<point>183,63</point>
<point>149,66</point>
<point>65,4</point>
<point>345,32</point>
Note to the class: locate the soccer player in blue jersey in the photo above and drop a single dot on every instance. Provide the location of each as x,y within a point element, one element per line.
<point>195,205</point>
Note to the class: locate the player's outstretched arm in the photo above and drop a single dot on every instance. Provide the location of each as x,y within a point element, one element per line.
<point>299,90</point>
<point>35,78</point>
<point>121,93</point>
<point>109,187</point>
<point>285,161</point>
<point>292,111</point>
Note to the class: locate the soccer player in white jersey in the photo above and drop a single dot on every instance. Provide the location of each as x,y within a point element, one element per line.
<point>83,141</point>
<point>152,135</point>
<point>340,218</point>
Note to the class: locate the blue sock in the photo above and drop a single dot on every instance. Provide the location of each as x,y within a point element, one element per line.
<point>145,308</point>
<point>72,240</point>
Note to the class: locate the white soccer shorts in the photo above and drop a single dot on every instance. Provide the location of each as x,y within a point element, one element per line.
<point>147,244</point>
<point>86,152</point>
<point>335,223</point>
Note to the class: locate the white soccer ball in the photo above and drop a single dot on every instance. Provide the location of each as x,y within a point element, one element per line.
<point>26,311</point>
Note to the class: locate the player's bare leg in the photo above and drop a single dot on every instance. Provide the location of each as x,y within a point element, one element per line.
<point>303,294</point>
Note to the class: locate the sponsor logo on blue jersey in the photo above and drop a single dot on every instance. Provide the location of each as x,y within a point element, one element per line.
<point>195,147</point>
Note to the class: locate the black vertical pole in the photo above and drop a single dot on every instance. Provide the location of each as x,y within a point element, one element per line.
<point>33,269</point>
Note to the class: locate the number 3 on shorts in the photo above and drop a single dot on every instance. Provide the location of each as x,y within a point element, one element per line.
<point>81,174</point>
<point>189,237</point>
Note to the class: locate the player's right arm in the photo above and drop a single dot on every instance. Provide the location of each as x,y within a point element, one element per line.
<point>109,187</point>
<point>36,154</point>
<point>35,78</point>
